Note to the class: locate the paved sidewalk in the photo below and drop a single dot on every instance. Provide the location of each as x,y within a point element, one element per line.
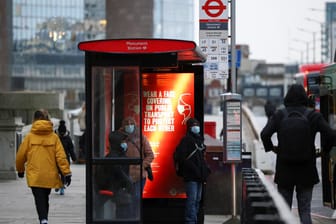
<point>17,203</point>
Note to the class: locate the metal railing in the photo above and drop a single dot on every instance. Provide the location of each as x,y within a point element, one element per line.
<point>261,202</point>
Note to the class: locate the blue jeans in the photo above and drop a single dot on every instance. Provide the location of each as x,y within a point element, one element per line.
<point>138,189</point>
<point>194,195</point>
<point>303,197</point>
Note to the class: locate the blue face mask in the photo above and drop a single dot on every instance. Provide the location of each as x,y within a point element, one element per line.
<point>123,145</point>
<point>195,129</point>
<point>129,128</point>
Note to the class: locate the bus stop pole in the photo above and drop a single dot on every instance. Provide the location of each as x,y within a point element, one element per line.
<point>234,203</point>
<point>234,218</point>
<point>233,47</point>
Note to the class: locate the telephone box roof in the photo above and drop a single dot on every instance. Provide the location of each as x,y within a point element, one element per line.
<point>187,51</point>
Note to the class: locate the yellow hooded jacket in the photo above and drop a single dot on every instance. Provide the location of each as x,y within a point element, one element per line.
<point>41,154</point>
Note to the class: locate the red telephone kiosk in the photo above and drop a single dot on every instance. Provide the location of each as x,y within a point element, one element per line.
<point>159,83</point>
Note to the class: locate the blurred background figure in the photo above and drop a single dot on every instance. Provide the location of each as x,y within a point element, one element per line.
<point>68,146</point>
<point>270,109</point>
<point>82,127</point>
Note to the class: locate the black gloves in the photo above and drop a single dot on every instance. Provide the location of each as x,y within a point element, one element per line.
<point>275,149</point>
<point>21,175</point>
<point>67,180</point>
<point>149,173</point>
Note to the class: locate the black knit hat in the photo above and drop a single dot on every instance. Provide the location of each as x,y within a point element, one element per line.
<point>62,127</point>
<point>192,122</point>
<point>115,138</point>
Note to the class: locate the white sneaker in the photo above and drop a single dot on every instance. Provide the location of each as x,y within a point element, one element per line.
<point>44,221</point>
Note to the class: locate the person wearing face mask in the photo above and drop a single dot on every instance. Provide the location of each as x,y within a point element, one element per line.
<point>132,150</point>
<point>195,169</point>
<point>112,181</point>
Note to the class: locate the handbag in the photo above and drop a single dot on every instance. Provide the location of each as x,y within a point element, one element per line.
<point>149,173</point>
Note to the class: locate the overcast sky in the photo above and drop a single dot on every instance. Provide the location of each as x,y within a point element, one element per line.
<point>271,28</point>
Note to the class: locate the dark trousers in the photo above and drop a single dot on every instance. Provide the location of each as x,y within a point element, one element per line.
<point>304,198</point>
<point>41,197</point>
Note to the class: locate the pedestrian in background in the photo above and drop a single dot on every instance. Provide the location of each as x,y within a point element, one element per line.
<point>195,169</point>
<point>296,171</point>
<point>270,109</point>
<point>68,146</point>
<point>82,127</point>
<point>41,156</point>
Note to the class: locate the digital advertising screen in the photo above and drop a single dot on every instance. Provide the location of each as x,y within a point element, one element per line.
<point>167,103</point>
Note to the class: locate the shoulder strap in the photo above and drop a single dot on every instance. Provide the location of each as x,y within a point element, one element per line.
<point>193,152</point>
<point>305,114</point>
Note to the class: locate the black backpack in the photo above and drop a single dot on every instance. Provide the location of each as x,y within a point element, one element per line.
<point>294,137</point>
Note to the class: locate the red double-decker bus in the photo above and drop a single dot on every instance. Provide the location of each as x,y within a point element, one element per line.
<point>309,78</point>
<point>308,72</point>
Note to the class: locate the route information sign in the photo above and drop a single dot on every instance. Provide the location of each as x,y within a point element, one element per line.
<point>214,37</point>
<point>232,126</point>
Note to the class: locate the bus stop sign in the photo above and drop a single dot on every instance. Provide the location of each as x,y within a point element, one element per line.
<point>232,127</point>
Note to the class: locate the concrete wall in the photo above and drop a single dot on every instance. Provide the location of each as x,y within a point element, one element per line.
<point>15,108</point>
<point>24,104</point>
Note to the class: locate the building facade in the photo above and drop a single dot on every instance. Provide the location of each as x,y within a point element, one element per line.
<point>45,35</point>
<point>329,45</point>
<point>5,44</point>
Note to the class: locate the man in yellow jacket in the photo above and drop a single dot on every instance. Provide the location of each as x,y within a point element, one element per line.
<point>42,157</point>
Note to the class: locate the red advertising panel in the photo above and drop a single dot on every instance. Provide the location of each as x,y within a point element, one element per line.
<point>167,102</point>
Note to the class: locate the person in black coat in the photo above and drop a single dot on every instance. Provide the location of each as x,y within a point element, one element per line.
<point>68,146</point>
<point>195,169</point>
<point>112,181</point>
<point>66,140</point>
<point>301,176</point>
